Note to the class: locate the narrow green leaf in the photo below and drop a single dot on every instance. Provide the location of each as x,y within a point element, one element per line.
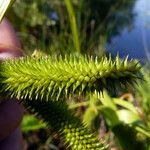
<point>4,5</point>
<point>125,104</point>
<point>107,101</point>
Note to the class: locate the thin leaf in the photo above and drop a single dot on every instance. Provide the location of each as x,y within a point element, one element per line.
<point>4,5</point>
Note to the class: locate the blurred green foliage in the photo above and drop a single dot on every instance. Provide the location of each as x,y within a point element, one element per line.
<point>45,25</point>
<point>122,119</point>
<point>144,90</point>
<point>31,123</point>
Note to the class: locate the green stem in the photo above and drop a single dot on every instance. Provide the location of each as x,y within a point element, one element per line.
<point>146,133</point>
<point>73,106</point>
<point>73,25</point>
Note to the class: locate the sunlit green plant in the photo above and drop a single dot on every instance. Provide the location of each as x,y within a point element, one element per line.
<point>45,84</point>
<point>49,81</point>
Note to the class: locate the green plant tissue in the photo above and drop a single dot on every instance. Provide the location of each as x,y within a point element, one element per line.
<point>4,5</point>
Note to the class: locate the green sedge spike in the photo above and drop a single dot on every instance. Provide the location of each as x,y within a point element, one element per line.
<point>4,5</point>
<point>54,77</point>
<point>70,128</point>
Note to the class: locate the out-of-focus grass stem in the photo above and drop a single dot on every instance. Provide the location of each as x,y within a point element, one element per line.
<point>73,25</point>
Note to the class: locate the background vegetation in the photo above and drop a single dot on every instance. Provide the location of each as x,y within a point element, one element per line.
<point>45,24</point>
